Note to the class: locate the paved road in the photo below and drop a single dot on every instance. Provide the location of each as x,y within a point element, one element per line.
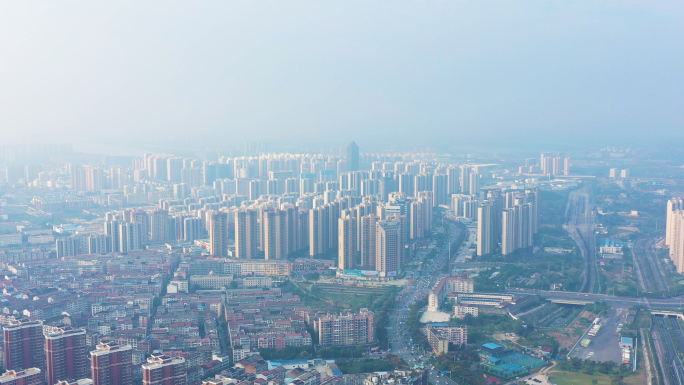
<point>400,343</point>
<point>625,302</point>
<point>667,352</point>
<point>650,271</point>
<point>605,345</point>
<point>580,225</point>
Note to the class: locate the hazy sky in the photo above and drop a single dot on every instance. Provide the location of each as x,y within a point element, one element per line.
<point>426,72</point>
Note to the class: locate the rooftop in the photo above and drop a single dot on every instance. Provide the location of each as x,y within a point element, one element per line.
<point>492,346</point>
<point>613,243</point>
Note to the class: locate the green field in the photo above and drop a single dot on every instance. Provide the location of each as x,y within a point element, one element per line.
<point>571,378</point>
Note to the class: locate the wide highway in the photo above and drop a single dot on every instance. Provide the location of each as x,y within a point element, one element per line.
<point>580,225</point>
<point>397,330</point>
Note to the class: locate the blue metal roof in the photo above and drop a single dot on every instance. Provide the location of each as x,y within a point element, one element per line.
<point>613,243</point>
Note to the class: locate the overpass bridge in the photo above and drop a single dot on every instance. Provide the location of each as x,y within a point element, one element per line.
<point>570,301</point>
<point>574,298</point>
<point>667,314</point>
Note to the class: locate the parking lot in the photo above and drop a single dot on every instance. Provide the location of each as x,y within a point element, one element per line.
<point>604,346</point>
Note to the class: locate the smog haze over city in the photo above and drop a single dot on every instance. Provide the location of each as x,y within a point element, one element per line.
<point>341,193</point>
<point>384,73</point>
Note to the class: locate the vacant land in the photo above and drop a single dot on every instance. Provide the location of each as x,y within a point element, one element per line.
<point>572,378</point>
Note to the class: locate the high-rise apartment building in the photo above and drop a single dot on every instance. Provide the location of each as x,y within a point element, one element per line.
<point>345,329</point>
<point>117,178</point>
<point>369,224</point>
<point>422,182</point>
<point>246,234</point>
<point>440,189</point>
<point>24,345</point>
<point>112,228</point>
<point>406,183</point>
<point>289,230</point>
<point>554,165</point>
<point>388,248</point>
<point>254,190</point>
<point>130,236</point>
<point>674,232</point>
<point>159,225</point>
<point>416,219</point>
<point>466,170</point>
<point>485,228</point>
<point>274,223</point>
<point>94,178</point>
<point>111,364</point>
<point>161,369</point>
<point>519,220</point>
<point>98,244</point>
<point>511,218</point>
<point>464,206</point>
<point>359,211</point>
<point>347,243</point>
<point>142,217</point>
<point>453,180</point>
<point>302,229</point>
<point>511,221</point>
<point>66,353</point>
<point>614,172</point>
<point>218,234</point>
<point>158,166</point>
<point>192,229</point>
<point>474,184</point>
<point>557,165</point>
<point>353,156</point>
<point>209,173</point>
<point>191,176</point>
<point>673,205</point>
<point>546,163</point>
<point>174,168</point>
<point>77,178</point>
<point>319,230</point>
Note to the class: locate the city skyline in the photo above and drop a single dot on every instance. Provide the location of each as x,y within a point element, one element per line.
<point>170,267</point>
<point>352,193</point>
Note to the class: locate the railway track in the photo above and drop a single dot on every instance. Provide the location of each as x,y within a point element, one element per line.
<point>652,272</point>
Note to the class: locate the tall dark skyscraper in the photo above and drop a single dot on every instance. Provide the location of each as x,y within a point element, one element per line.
<point>353,156</point>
